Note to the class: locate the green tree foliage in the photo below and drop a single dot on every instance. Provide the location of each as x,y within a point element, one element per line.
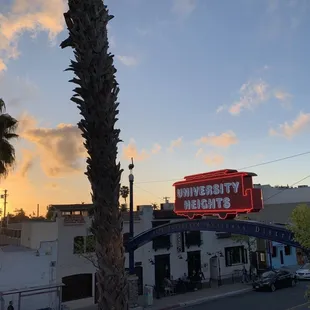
<point>300,225</point>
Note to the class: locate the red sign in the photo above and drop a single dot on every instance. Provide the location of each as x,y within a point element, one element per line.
<point>224,193</point>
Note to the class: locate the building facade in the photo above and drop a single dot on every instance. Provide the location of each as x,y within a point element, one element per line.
<point>279,203</point>
<point>216,255</point>
<point>25,269</point>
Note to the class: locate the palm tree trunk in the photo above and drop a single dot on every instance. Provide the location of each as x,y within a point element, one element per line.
<point>96,97</point>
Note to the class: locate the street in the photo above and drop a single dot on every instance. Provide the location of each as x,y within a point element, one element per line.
<point>284,299</point>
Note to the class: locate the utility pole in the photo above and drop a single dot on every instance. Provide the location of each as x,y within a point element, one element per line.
<point>131,219</point>
<point>5,202</point>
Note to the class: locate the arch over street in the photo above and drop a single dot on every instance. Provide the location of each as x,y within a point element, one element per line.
<point>250,228</point>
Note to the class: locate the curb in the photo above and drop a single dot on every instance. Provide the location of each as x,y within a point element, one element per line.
<point>206,299</point>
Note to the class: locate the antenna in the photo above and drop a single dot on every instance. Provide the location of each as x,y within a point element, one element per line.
<point>166,199</point>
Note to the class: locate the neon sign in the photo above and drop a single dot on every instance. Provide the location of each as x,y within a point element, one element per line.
<point>224,193</point>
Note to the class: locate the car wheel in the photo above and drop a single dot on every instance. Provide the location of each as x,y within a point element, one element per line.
<point>272,287</point>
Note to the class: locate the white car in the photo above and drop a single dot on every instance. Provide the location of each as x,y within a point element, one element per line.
<point>304,272</point>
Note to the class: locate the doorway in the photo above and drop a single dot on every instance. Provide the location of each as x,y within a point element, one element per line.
<point>162,270</point>
<point>193,262</point>
<point>281,257</point>
<point>214,268</point>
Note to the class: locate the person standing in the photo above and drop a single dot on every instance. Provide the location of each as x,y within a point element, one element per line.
<point>10,307</point>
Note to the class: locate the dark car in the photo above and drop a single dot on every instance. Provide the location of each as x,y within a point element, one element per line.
<point>274,279</point>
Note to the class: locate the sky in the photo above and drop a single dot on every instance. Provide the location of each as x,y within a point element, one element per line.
<point>204,85</point>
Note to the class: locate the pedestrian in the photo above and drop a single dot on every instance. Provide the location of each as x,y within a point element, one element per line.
<point>244,275</point>
<point>10,307</point>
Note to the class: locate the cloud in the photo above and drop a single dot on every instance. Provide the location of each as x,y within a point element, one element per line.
<point>214,159</point>
<point>156,148</point>
<point>225,139</point>
<point>199,152</point>
<point>28,160</point>
<point>252,93</point>
<point>22,17</point>
<point>175,144</point>
<point>3,67</point>
<point>128,61</point>
<point>183,8</point>
<point>221,108</point>
<point>297,126</point>
<point>52,186</point>
<point>60,150</point>
<point>131,151</point>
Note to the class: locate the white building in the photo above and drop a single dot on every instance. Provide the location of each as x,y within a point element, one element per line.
<point>216,254</point>
<point>27,276</point>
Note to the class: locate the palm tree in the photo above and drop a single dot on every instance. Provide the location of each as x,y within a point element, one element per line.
<point>8,126</point>
<point>96,98</point>
<point>123,207</point>
<point>124,191</point>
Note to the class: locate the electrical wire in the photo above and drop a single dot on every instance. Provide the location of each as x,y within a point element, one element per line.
<point>248,167</point>
<point>286,188</point>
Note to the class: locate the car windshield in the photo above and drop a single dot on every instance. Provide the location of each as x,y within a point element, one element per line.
<point>306,266</point>
<point>268,274</point>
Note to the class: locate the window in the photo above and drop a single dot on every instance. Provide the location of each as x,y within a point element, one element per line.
<point>287,250</point>
<point>77,286</point>
<point>161,242</point>
<point>262,257</point>
<point>90,244</point>
<point>274,251</point>
<point>236,256</point>
<point>79,245</point>
<point>193,238</point>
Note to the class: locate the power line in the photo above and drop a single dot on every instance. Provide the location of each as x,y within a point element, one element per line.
<point>286,188</point>
<point>148,191</point>
<point>248,167</point>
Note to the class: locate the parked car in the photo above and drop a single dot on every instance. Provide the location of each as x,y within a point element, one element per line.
<point>304,272</point>
<point>274,279</point>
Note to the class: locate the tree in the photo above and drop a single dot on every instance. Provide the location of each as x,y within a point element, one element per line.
<point>300,227</point>
<point>96,98</point>
<point>8,126</point>
<point>124,191</point>
<point>123,207</point>
<point>49,214</point>
<point>154,205</point>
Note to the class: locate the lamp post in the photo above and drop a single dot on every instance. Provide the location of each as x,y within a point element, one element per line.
<point>131,219</point>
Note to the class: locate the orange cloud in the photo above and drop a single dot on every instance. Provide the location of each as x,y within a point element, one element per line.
<point>225,139</point>
<point>28,161</point>
<point>60,150</point>
<point>130,151</point>
<point>252,93</point>
<point>175,144</point>
<point>214,159</point>
<point>288,130</point>
<point>41,15</point>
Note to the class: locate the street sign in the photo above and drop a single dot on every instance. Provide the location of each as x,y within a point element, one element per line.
<point>224,193</point>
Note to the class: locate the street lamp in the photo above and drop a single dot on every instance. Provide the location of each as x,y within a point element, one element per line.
<point>131,219</point>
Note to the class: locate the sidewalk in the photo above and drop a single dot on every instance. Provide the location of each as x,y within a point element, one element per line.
<point>191,298</point>
<point>198,297</point>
